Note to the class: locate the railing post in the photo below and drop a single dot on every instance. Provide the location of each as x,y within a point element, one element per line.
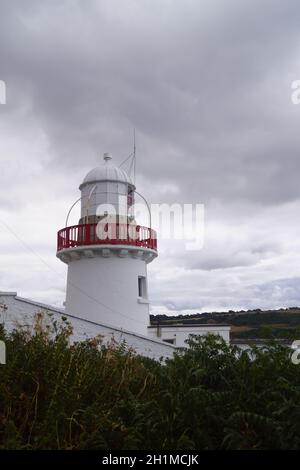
<point>67,238</point>
<point>86,234</point>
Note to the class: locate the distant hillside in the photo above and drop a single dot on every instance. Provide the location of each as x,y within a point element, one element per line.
<point>282,323</point>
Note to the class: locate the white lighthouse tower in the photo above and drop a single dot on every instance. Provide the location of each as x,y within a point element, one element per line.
<point>107,253</point>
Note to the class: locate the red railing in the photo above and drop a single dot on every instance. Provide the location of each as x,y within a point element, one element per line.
<point>106,234</point>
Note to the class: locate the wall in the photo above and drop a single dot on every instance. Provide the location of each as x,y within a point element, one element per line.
<point>21,312</point>
<point>105,290</point>
<point>179,334</point>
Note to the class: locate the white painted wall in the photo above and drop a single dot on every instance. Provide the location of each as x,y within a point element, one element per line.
<point>105,290</point>
<point>179,334</point>
<point>21,312</point>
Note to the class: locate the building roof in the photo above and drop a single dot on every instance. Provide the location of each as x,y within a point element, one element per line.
<point>188,325</point>
<point>107,172</point>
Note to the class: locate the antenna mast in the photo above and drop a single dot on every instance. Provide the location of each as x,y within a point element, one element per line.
<point>134,156</point>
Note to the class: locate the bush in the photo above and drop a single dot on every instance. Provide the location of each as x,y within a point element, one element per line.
<point>57,395</point>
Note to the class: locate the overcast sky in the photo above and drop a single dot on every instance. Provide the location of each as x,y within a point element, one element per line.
<point>207,85</point>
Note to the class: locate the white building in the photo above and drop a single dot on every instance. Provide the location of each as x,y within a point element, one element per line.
<point>107,287</point>
<point>177,334</point>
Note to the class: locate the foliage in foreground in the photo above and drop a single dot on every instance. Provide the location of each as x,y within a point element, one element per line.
<point>54,395</point>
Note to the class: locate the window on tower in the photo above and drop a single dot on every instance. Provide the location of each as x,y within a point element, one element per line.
<point>142,287</point>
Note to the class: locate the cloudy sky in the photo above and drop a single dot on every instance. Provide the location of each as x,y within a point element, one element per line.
<point>207,86</point>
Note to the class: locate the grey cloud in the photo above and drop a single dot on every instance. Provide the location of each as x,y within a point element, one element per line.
<point>205,84</point>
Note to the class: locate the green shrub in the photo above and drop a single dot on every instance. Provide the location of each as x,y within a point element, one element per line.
<point>58,395</point>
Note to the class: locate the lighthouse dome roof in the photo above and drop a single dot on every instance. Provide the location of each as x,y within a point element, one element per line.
<point>107,172</point>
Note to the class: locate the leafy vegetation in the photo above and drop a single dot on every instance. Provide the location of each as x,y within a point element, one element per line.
<point>57,395</point>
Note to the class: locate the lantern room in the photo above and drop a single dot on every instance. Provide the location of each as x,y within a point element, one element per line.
<point>107,191</point>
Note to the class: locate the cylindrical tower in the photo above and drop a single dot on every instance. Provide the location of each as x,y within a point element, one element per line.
<point>107,253</point>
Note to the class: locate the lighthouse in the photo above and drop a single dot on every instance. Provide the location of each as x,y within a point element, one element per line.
<point>107,253</point>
